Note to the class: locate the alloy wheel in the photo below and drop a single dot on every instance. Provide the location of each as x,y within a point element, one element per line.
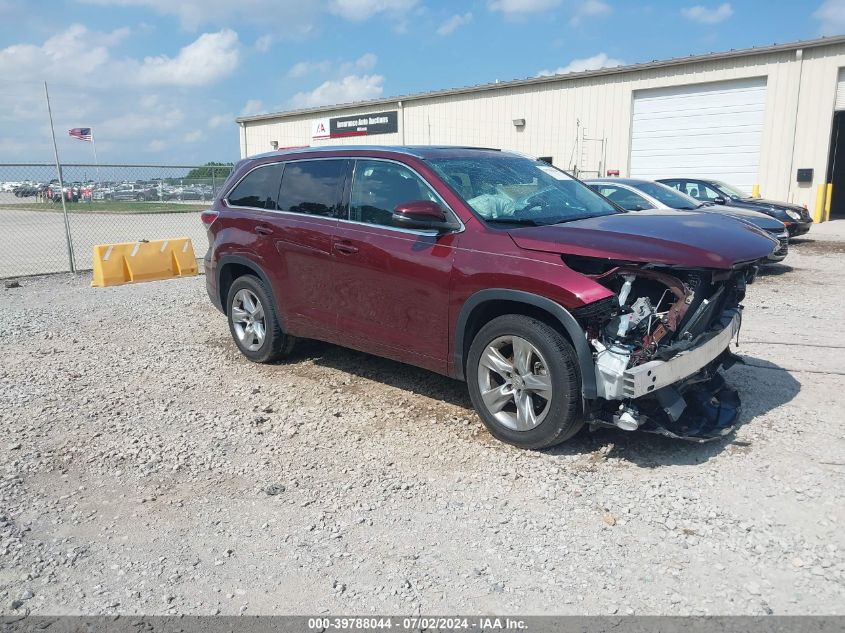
<point>515,383</point>
<point>248,320</point>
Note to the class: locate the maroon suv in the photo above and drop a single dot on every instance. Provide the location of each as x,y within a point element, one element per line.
<point>556,306</point>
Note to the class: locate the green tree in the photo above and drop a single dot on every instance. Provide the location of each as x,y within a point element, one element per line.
<point>221,170</point>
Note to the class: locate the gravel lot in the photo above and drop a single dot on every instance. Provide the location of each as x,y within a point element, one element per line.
<point>148,468</point>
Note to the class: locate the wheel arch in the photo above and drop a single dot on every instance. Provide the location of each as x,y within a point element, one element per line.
<point>488,304</point>
<point>230,267</point>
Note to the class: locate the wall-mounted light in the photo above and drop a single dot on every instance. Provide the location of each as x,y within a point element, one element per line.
<point>274,144</point>
<point>519,122</point>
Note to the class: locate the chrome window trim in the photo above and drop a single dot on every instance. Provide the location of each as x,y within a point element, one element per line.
<point>354,159</point>
<point>428,232</point>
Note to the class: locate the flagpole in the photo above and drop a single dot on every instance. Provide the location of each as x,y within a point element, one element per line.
<point>61,183</point>
<point>96,162</point>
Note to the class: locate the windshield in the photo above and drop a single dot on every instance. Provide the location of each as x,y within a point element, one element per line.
<point>672,198</point>
<point>512,189</point>
<point>733,192</point>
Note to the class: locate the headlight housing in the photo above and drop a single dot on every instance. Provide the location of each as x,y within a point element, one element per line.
<point>793,214</point>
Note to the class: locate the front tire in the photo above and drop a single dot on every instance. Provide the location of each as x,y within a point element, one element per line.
<point>524,382</point>
<point>253,322</point>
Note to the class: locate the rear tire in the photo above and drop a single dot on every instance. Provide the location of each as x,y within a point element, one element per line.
<point>524,382</point>
<point>253,322</point>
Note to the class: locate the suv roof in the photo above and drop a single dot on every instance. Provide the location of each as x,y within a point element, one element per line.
<point>418,151</point>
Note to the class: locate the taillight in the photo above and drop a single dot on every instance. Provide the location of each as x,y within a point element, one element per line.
<point>209,216</point>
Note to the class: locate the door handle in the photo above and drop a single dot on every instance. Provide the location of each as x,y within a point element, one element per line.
<point>345,247</point>
<point>263,229</point>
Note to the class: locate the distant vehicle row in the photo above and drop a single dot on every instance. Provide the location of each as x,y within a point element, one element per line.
<point>139,191</point>
<point>796,218</point>
<point>640,195</point>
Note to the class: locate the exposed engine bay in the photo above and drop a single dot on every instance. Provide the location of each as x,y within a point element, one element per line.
<point>658,344</point>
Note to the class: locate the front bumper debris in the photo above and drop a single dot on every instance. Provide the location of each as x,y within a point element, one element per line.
<point>712,410</point>
<point>649,377</point>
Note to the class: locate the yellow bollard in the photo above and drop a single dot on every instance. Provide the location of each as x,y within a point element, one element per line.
<point>755,191</point>
<point>818,210</point>
<point>827,201</point>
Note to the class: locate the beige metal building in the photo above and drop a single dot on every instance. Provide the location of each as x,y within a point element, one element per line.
<point>749,117</point>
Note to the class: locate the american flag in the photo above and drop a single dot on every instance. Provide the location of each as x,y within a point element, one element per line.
<point>82,133</point>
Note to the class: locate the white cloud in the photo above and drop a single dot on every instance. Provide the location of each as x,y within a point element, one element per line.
<point>831,15</point>
<point>264,43</point>
<point>704,15</point>
<point>253,106</point>
<point>140,123</point>
<point>70,53</point>
<point>365,63</point>
<point>590,9</point>
<point>453,23</point>
<point>221,119</point>
<point>515,7</point>
<point>92,85</point>
<point>209,58</point>
<point>344,90</point>
<point>601,60</point>
<point>303,69</point>
<point>360,10</point>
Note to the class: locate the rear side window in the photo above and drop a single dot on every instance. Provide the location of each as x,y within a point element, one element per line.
<point>258,189</point>
<point>312,187</point>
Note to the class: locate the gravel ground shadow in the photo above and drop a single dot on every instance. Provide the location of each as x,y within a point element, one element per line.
<point>763,386</point>
<point>384,371</point>
<point>775,270</point>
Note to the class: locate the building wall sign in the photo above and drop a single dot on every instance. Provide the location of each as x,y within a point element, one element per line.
<point>356,125</point>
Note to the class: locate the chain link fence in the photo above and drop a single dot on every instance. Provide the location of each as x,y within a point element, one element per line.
<point>105,204</point>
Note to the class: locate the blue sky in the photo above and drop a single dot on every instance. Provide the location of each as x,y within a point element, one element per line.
<point>161,81</point>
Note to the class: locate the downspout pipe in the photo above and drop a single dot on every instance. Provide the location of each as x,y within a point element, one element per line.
<point>799,56</point>
<point>401,122</point>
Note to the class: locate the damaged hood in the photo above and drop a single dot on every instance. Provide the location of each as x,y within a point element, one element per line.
<point>666,237</point>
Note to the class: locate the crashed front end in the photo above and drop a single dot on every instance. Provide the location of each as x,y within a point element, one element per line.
<point>658,344</point>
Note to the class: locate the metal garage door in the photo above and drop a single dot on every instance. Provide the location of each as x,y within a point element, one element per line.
<point>840,90</point>
<point>709,130</point>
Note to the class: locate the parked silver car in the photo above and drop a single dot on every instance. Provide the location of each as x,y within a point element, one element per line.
<point>639,195</point>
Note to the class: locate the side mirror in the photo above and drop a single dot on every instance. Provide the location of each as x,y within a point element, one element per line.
<point>421,214</point>
<point>720,200</point>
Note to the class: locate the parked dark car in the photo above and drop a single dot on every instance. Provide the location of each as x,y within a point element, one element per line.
<point>557,307</point>
<point>138,193</point>
<point>635,194</point>
<point>796,218</point>
<point>26,190</point>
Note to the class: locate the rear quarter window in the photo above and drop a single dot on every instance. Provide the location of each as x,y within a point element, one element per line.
<point>259,189</point>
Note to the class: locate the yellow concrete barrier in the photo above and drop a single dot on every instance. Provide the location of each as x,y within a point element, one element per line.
<point>130,262</point>
<point>818,210</point>
<point>755,191</point>
<point>827,200</point>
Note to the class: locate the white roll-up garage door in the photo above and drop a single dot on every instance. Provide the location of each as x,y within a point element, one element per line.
<point>840,90</point>
<point>708,130</point>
